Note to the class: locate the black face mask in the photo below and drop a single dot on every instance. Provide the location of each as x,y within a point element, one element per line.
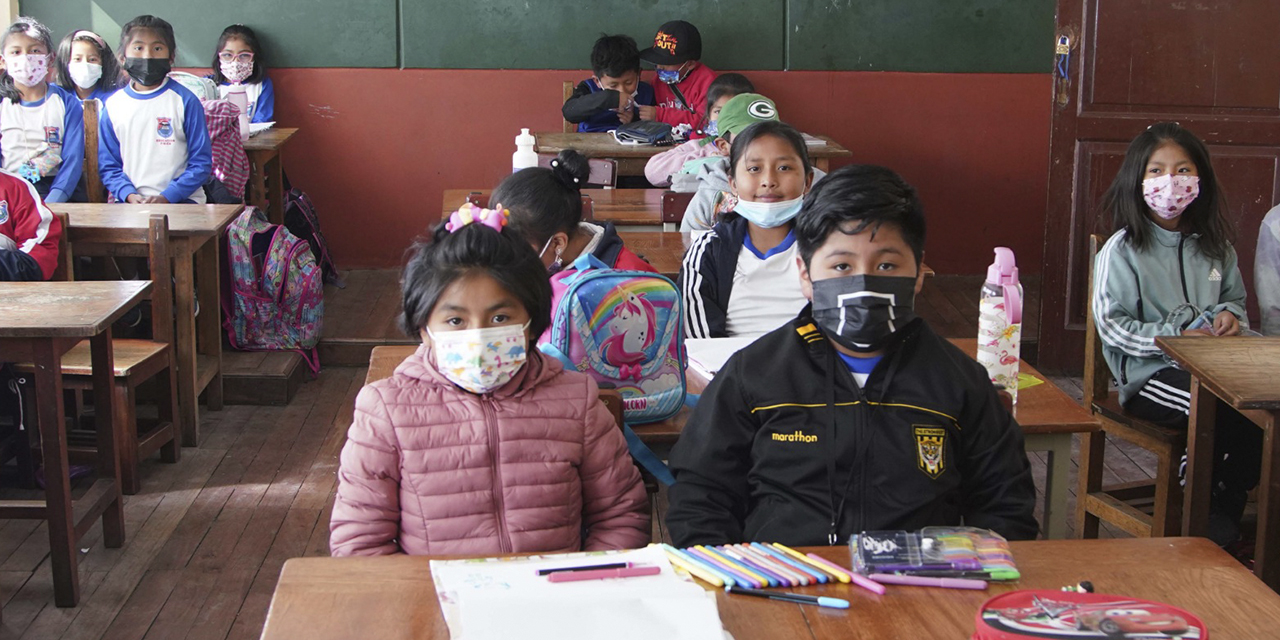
<point>861,313</point>
<point>147,72</point>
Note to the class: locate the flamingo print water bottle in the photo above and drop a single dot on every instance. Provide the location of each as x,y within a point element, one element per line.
<point>1000,322</point>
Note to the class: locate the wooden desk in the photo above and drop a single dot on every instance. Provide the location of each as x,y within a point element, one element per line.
<point>622,207</point>
<point>663,249</point>
<point>266,177</point>
<point>1244,373</point>
<point>194,230</point>
<point>393,597</point>
<point>39,322</point>
<point>631,159</point>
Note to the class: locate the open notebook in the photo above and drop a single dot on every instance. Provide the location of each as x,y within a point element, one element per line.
<point>502,598</point>
<point>258,127</point>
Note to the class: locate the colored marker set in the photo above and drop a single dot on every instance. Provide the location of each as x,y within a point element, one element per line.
<point>952,557</point>
<point>756,565</point>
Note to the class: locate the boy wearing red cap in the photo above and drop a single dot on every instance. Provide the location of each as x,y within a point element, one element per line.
<point>682,80</point>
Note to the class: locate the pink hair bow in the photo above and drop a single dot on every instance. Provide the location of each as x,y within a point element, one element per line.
<point>495,219</point>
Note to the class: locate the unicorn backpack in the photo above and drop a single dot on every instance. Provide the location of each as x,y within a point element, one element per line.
<point>623,329</point>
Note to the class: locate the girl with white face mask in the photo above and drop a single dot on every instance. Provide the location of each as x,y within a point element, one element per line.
<point>1170,269</point>
<point>742,278</point>
<point>86,66</point>
<point>238,61</point>
<point>478,444</point>
<point>41,125</point>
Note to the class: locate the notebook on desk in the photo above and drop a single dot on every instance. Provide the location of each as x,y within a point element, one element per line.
<point>813,141</point>
<point>506,598</point>
<point>258,127</point>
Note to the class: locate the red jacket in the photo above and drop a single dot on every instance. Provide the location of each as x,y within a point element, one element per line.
<point>31,225</point>
<point>694,87</point>
<point>538,465</point>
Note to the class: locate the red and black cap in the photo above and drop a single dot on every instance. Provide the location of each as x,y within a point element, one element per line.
<point>676,42</point>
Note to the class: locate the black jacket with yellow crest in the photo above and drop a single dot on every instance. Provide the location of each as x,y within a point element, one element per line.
<point>784,447</point>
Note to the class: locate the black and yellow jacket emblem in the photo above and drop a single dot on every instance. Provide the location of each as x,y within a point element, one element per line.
<point>926,442</point>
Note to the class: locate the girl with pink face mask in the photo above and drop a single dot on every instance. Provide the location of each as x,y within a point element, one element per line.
<point>41,124</point>
<point>478,444</point>
<point>238,60</point>
<point>1170,269</point>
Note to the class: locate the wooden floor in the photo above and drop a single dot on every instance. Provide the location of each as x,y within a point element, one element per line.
<point>207,537</point>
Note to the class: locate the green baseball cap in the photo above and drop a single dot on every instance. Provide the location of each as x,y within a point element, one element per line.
<point>744,110</point>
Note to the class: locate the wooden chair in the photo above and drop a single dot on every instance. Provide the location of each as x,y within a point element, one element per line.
<point>674,204</point>
<point>567,91</point>
<point>136,361</point>
<point>603,172</point>
<point>93,180</point>
<point>1125,505</point>
<point>482,200</point>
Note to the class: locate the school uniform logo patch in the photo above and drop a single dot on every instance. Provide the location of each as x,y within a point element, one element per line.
<point>53,135</point>
<point>4,211</point>
<point>164,127</point>
<point>930,448</point>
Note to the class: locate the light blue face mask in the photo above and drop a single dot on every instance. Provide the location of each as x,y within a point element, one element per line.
<point>711,130</point>
<point>769,214</point>
<point>668,76</point>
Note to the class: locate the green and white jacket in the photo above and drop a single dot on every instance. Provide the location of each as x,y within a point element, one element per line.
<point>1156,291</point>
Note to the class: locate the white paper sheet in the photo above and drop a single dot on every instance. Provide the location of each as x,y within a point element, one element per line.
<point>491,599</point>
<point>708,355</point>
<point>259,127</point>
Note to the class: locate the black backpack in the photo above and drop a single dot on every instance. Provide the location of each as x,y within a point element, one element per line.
<point>301,220</point>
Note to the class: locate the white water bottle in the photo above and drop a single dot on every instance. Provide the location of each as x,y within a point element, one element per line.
<point>237,96</point>
<point>525,156</point>
<point>1000,322</point>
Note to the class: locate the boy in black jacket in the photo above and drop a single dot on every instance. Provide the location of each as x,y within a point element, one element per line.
<point>855,416</point>
<point>614,95</point>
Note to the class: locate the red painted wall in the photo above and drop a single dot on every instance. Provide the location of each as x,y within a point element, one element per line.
<point>378,146</point>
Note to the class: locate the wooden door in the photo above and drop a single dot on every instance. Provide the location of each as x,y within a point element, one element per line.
<point>1211,65</point>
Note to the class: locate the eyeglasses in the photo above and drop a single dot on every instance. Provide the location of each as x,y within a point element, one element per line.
<point>246,57</point>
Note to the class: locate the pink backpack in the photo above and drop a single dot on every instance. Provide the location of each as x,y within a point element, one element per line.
<point>275,300</point>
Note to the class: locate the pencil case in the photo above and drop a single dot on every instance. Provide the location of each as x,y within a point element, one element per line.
<point>1037,613</point>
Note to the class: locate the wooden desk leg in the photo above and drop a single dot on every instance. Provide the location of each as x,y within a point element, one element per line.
<point>57,483</point>
<point>209,322</point>
<point>185,343</point>
<point>257,180</point>
<point>1058,447</point>
<point>111,434</point>
<point>822,164</point>
<point>1200,428</point>
<point>274,174</point>
<point>1265,564</point>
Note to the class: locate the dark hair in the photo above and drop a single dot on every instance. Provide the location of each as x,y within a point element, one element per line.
<point>245,34</point>
<point>854,198</point>
<point>31,28</point>
<point>110,79</point>
<point>726,84</point>
<point>158,25</point>
<point>614,55</point>
<point>769,128</point>
<point>1207,213</point>
<point>544,202</point>
<point>504,256</point>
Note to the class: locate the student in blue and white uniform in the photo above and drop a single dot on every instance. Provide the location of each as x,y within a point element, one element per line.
<point>41,125</point>
<point>86,66</point>
<point>238,60</point>
<point>153,145</point>
<point>742,277</point>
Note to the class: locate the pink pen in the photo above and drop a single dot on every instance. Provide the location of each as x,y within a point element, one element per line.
<point>920,581</point>
<point>601,574</point>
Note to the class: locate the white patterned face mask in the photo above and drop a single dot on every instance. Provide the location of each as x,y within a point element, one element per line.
<point>29,69</point>
<point>480,360</point>
<point>1169,195</point>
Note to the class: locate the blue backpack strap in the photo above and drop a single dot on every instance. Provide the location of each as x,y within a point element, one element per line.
<point>551,350</point>
<point>646,457</point>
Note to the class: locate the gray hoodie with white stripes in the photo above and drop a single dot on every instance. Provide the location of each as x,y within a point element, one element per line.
<point>1156,291</point>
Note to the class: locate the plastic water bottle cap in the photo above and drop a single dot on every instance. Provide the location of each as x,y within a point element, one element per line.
<point>1004,270</point>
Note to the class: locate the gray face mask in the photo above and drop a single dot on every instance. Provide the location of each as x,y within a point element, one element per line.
<point>862,312</point>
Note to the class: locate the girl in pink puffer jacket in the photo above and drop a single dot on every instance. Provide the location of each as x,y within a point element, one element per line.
<point>477,444</point>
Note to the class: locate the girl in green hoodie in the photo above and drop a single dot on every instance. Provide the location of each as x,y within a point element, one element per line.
<point>1170,269</point>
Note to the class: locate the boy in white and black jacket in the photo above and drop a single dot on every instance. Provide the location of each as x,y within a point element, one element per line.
<point>856,415</point>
